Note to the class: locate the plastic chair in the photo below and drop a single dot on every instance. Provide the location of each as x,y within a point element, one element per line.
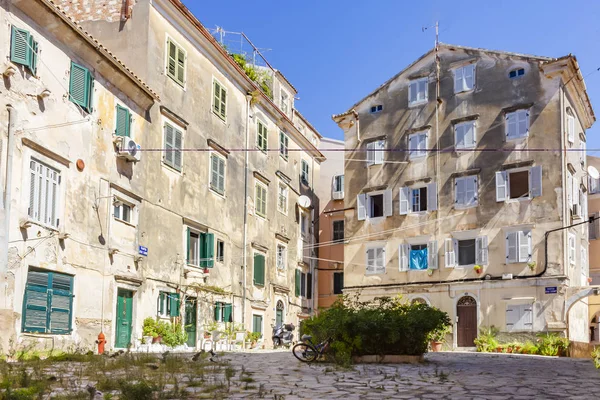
<point>240,337</point>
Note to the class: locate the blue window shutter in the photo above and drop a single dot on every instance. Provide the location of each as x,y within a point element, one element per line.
<point>36,302</point>
<point>19,46</point>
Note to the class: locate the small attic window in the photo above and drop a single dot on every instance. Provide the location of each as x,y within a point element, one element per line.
<point>377,108</point>
<point>515,73</point>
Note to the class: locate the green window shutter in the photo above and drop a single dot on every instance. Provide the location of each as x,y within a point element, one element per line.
<point>172,61</point>
<point>216,100</point>
<point>174,300</point>
<point>259,269</point>
<point>209,242</point>
<point>61,300</point>
<point>257,323</point>
<point>19,46</point>
<point>203,255</point>
<point>35,302</point>
<point>297,283</point>
<point>217,311</point>
<point>180,78</point>
<point>33,59</point>
<point>80,86</point>
<point>169,143</point>
<point>188,246</point>
<point>227,312</point>
<point>161,303</point>
<point>123,121</point>
<point>223,102</point>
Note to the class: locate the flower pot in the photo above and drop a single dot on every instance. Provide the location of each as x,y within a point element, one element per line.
<point>436,346</point>
<point>157,339</point>
<point>499,349</point>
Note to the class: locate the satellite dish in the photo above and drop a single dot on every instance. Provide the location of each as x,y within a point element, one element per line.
<point>304,201</point>
<point>593,172</point>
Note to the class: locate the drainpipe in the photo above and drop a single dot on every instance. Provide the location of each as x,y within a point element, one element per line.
<point>245,210</point>
<point>12,116</point>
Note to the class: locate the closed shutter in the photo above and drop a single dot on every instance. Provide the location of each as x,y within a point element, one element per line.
<point>218,311</point>
<point>60,303</point>
<point>526,317</point>
<point>571,129</point>
<point>180,66</point>
<point>470,140</point>
<point>217,98</point>
<point>379,260</point>
<point>511,125</point>
<point>174,304</point>
<point>412,92</point>
<point>188,250</point>
<point>297,283</point>
<point>123,120</point>
<point>361,206</point>
<point>404,200</point>
<point>512,249</point>
<point>370,261</point>
<point>460,191</point>
<point>459,135</point>
<point>379,151</point>
<point>223,103</point>
<point>403,252</point>
<point>413,145</point>
<point>432,196</point>
<point>19,46</point>
<point>471,195</point>
<point>259,269</point>
<point>208,255</point>
<point>35,302</point>
<point>309,286</point>
<point>512,317</point>
<point>172,62</point>
<point>481,250</point>
<point>221,184</point>
<point>570,190</point>
<point>387,203</point>
<point>575,188</point>
<point>524,246</point>
<point>177,146</point>
<point>432,255</point>
<point>535,174</point>
<point>33,48</point>
<point>501,186</point>
<point>80,86</point>
<point>161,303</point>
<point>227,308</point>
<point>169,154</point>
<point>257,324</point>
<point>449,253</point>
<point>458,80</point>
<point>582,152</point>
<point>523,123</point>
<point>469,77</point>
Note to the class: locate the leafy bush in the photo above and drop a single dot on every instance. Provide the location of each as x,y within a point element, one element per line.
<point>149,327</point>
<point>136,391</point>
<point>171,334</point>
<point>486,340</point>
<point>529,348</point>
<point>551,344</point>
<point>383,326</point>
<point>596,356</point>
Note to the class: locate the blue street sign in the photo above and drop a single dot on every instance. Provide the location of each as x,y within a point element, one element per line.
<point>551,289</point>
<point>144,251</point>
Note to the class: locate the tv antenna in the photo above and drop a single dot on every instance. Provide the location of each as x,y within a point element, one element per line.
<point>437,31</point>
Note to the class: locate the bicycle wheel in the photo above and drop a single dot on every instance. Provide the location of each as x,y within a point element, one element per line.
<point>305,352</point>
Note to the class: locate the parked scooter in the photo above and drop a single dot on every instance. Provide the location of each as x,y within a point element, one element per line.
<point>282,335</point>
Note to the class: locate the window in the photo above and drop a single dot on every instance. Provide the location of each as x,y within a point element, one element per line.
<point>338,230</point>
<point>223,312</point>
<point>200,248</point>
<point>594,185</point>
<point>465,191</point>
<point>464,135</point>
<point>167,305</point>
<point>519,317</point>
<point>23,49</point>
<point>303,284</point>
<point>417,91</point>
<point>282,198</point>
<point>419,199</point>
<point>172,155</point>
<point>418,256</point>
<point>284,102</point>
<point>375,152</point>
<point>376,206</point>
<point>376,109</point>
<point>261,136</point>
<point>572,249</point>
<point>217,173</point>
<point>466,252</point>
<point>297,284</point>
<point>283,145</point>
<point>338,282</point>
<point>304,177</point>
<point>516,73</point>
<point>220,251</point>
<point>570,127</point>
<point>519,184</point>
<point>259,269</point>
<point>304,226</point>
<point>375,261</point>
<point>417,145</point>
<point>257,324</point>
<point>123,123</point>
<point>43,193</point>
<point>81,87</point>
<point>464,78</point>
<point>594,227</point>
<point>123,211</point>
<point>517,124</point>
<point>518,246</point>
<point>582,152</point>
<point>219,100</point>
<point>338,184</point>
<point>583,265</point>
<point>47,302</point>
<point>176,62</point>
<point>281,256</point>
<point>260,200</point>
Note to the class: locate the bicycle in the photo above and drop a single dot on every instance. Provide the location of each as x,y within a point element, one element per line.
<point>307,351</point>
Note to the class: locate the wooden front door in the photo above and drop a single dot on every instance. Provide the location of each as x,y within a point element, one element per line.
<point>466,310</point>
<point>190,322</point>
<point>124,318</point>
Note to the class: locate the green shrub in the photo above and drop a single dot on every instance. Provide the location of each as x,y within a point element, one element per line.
<point>171,334</point>
<point>136,391</point>
<point>383,326</point>
<point>551,344</point>
<point>149,327</point>
<point>529,348</point>
<point>596,356</point>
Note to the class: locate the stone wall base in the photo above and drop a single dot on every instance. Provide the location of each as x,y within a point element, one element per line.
<point>387,359</point>
<point>580,350</point>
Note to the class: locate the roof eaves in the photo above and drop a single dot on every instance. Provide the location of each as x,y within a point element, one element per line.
<point>103,50</point>
<point>508,53</point>
<point>350,111</point>
<point>308,123</point>
<point>286,80</point>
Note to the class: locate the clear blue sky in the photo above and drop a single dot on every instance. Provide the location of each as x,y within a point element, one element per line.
<point>336,52</point>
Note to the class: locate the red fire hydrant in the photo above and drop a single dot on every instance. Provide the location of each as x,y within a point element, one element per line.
<point>101,340</point>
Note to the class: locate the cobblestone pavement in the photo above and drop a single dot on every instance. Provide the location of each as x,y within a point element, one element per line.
<point>443,376</point>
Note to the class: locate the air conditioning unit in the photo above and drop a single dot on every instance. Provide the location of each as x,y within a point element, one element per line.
<point>338,195</point>
<point>127,148</point>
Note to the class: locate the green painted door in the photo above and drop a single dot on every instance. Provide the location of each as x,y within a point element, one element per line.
<point>278,317</point>
<point>124,318</point>
<point>190,322</point>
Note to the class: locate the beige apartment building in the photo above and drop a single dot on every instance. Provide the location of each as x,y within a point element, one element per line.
<point>330,192</point>
<point>465,200</point>
<point>594,236</point>
<point>190,202</point>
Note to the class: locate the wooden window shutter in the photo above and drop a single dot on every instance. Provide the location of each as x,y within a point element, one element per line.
<point>188,250</point>
<point>177,161</point>
<point>123,121</point>
<point>387,203</point>
<point>223,103</point>
<point>297,283</point>
<point>535,174</point>
<point>259,269</point>
<point>180,78</point>
<point>227,312</point>
<point>208,254</point>
<point>172,62</point>
<point>174,304</point>
<point>19,46</point>
<point>80,86</point>
<point>404,200</point>
<point>161,302</point>
<point>501,186</point>
<point>216,99</point>
<point>217,311</point>
<point>36,302</point>
<point>169,142</point>
<point>34,55</point>
<point>432,253</point>
<point>361,206</point>
<point>61,298</point>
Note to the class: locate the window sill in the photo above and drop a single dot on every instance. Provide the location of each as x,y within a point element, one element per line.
<point>518,200</point>
<point>42,225</point>
<point>259,216</point>
<point>465,91</point>
<point>282,212</point>
<point>417,158</point>
<point>465,207</point>
<point>172,168</point>
<point>181,85</point>
<point>374,273</point>
<point>417,213</point>
<point>283,158</point>
<point>215,192</point>
<point>224,120</point>
<point>418,103</point>
<point>516,139</point>
<point>375,219</point>
<point>124,222</point>
<point>264,151</point>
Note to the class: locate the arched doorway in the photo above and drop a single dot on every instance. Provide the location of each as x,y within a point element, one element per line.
<point>279,313</point>
<point>419,300</point>
<point>466,310</point>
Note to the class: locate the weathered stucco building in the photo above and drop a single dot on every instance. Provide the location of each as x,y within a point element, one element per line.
<point>195,220</point>
<point>594,252</point>
<point>455,199</point>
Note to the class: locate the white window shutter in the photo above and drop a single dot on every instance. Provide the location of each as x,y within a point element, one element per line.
<point>501,186</point>
<point>460,191</point>
<point>582,152</point>
<point>449,253</point>
<point>481,250</point>
<point>575,191</point>
<point>458,80</point>
<point>361,205</point>
<point>459,136</point>
<point>569,190</point>
<point>371,153</point>
<point>412,92</point>
<point>387,203</point>
<point>469,73</point>
<point>432,255</point>
<point>470,140</point>
<point>472,188</point>
<point>432,196</point>
<point>512,250</point>
<point>404,200</point>
<point>403,256</point>
<point>378,150</point>
<point>526,318</point>
<point>511,125</point>
<point>379,260</point>
<point>571,129</point>
<point>512,317</point>
<point>524,238</point>
<point>522,123</point>
<point>370,261</point>
<point>535,175</point>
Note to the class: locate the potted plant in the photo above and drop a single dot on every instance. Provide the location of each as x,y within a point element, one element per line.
<point>531,265</point>
<point>150,330</point>
<point>252,337</point>
<point>477,269</point>
<point>438,337</point>
<point>210,328</point>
